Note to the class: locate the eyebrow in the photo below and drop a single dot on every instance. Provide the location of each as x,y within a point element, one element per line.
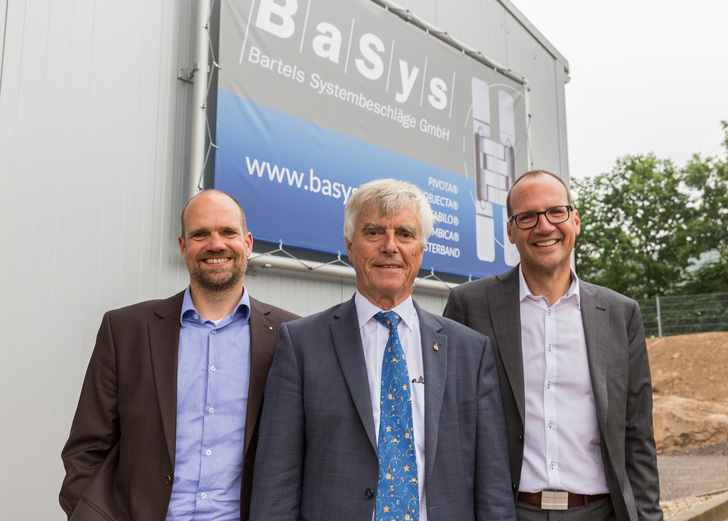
<point>371,226</point>
<point>409,229</point>
<point>376,226</point>
<point>206,229</point>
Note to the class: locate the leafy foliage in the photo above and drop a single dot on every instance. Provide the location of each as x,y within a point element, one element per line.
<point>649,228</point>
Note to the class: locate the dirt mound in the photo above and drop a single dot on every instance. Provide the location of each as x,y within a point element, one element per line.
<point>690,389</point>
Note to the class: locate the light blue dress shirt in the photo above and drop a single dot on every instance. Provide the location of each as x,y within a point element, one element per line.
<point>213,378</point>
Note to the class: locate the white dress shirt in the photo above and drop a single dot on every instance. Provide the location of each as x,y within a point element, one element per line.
<point>561,442</point>
<point>374,338</point>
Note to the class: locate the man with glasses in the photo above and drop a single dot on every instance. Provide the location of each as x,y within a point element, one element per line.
<point>573,369</point>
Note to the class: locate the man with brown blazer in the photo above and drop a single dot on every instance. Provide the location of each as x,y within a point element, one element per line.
<point>167,422</point>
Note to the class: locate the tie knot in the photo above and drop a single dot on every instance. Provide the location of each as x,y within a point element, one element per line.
<point>388,318</point>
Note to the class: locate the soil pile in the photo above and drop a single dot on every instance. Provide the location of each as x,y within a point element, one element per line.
<point>690,390</point>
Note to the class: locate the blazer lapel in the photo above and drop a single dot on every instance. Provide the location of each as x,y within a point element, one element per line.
<point>263,336</point>
<point>593,313</point>
<point>349,350</point>
<point>435,368</point>
<point>505,311</point>
<point>164,344</point>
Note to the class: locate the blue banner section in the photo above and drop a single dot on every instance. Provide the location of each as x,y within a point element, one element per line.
<point>293,178</point>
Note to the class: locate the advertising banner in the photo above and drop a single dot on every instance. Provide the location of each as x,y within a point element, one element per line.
<point>316,97</point>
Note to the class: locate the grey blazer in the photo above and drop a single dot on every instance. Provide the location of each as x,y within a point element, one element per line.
<point>620,376</point>
<point>317,451</point>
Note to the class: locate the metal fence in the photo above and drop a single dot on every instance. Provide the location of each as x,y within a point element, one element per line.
<point>686,314</point>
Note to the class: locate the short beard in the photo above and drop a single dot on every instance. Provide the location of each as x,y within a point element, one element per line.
<point>218,286</point>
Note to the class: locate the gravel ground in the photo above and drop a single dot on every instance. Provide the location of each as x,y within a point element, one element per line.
<point>673,507</point>
<point>690,477</point>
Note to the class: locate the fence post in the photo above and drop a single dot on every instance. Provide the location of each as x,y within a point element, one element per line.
<point>659,317</point>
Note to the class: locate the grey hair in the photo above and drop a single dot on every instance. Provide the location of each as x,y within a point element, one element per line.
<point>389,196</point>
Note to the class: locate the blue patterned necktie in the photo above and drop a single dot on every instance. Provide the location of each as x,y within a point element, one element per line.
<point>397,493</point>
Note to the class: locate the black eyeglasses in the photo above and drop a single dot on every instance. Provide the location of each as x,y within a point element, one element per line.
<point>554,215</point>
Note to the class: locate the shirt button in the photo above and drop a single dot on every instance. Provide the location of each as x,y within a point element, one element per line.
<point>214,331</point>
<point>213,368</point>
<point>203,495</point>
<point>208,452</point>
<point>211,410</point>
<point>196,316</point>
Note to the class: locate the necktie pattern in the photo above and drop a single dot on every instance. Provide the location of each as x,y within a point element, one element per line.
<point>397,493</point>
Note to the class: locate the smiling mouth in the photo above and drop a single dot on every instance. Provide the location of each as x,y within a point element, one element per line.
<point>387,266</point>
<point>546,243</point>
<point>217,260</point>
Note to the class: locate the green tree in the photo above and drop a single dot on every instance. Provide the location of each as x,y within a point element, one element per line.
<point>649,228</point>
<point>709,178</point>
<point>634,223</point>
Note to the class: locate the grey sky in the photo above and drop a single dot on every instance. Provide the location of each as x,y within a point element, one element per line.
<point>646,76</point>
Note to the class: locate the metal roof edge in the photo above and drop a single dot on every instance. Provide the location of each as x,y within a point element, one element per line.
<point>521,18</point>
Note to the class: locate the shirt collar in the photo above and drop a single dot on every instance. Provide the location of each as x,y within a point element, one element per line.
<point>365,310</point>
<point>189,312</point>
<point>524,291</point>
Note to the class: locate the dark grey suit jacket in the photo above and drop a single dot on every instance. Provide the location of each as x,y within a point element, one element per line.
<point>620,376</point>
<point>317,455</point>
<point>119,457</point>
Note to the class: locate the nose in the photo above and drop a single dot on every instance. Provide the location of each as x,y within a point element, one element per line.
<point>542,224</point>
<point>389,242</point>
<point>216,243</point>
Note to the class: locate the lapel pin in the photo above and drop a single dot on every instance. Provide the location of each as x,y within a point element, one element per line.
<point>436,347</point>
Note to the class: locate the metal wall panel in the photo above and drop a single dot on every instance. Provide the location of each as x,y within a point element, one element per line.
<point>303,294</point>
<point>4,4</point>
<point>540,68</point>
<point>94,141</point>
<point>87,118</point>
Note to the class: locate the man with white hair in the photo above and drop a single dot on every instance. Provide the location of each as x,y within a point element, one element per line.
<point>375,408</point>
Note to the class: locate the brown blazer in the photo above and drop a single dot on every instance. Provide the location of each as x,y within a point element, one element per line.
<point>119,457</point>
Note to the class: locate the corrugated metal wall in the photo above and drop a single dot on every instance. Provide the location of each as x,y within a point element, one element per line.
<point>89,112</point>
<point>94,130</point>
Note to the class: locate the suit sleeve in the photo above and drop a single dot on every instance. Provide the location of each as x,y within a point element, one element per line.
<point>453,307</point>
<point>640,452</point>
<point>95,428</point>
<point>278,471</point>
<point>493,496</point>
